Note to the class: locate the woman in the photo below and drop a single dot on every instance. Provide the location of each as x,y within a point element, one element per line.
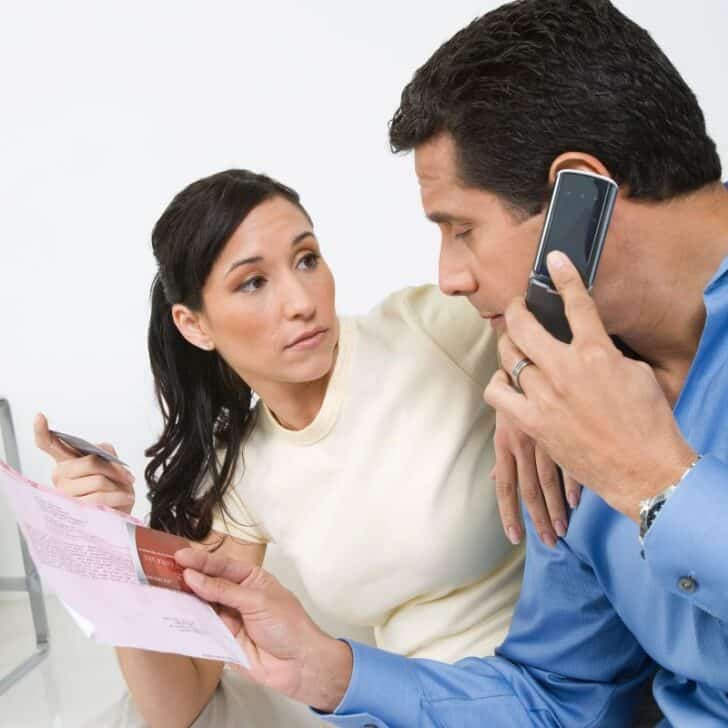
<point>365,456</point>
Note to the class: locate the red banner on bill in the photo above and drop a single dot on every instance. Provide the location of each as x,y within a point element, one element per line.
<point>153,554</point>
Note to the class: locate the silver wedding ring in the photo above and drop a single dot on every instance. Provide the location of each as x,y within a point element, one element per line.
<point>516,373</point>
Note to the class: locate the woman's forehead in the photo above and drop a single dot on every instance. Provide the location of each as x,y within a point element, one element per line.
<point>267,232</point>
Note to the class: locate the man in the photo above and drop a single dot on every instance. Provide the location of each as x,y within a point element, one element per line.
<point>525,91</point>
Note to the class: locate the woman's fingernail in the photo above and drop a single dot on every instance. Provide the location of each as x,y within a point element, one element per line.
<point>556,259</point>
<point>573,499</point>
<point>514,535</point>
<point>548,539</point>
<point>560,528</point>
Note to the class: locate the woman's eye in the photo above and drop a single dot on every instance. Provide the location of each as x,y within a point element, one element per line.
<point>252,284</point>
<point>309,261</point>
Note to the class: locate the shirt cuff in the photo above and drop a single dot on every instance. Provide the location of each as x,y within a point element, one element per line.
<point>379,680</point>
<point>686,545</point>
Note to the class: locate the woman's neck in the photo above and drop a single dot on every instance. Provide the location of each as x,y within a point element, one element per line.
<point>296,404</point>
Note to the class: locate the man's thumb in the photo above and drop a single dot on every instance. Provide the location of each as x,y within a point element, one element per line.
<point>194,579</point>
<point>217,591</point>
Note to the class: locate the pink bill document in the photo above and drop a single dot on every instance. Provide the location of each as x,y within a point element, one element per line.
<point>117,578</point>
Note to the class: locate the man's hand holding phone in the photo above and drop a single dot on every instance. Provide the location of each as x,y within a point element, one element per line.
<point>600,415</point>
<point>88,477</point>
<point>576,223</point>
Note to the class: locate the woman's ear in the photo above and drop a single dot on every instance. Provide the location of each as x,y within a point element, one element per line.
<point>190,324</point>
<point>579,161</point>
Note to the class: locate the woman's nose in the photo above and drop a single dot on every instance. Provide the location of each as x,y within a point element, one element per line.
<point>298,301</point>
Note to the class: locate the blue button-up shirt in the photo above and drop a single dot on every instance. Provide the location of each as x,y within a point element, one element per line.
<point>595,620</point>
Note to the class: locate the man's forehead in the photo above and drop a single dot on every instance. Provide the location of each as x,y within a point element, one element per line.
<point>440,187</point>
<point>435,161</point>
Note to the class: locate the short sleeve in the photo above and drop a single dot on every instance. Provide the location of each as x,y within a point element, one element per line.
<point>235,520</point>
<point>453,325</point>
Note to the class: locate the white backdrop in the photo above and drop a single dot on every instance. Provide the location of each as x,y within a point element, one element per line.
<point>108,110</point>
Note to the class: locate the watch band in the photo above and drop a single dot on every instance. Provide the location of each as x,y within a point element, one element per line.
<point>650,507</point>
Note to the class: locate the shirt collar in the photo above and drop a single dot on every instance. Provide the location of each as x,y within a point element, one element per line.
<point>715,296</point>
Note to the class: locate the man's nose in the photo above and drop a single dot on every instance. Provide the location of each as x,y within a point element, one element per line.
<point>454,275</point>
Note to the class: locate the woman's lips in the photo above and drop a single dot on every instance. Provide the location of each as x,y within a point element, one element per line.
<point>309,341</point>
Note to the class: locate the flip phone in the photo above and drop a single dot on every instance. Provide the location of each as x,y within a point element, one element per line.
<point>576,223</point>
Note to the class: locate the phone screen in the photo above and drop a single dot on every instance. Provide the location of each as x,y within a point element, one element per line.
<point>576,214</point>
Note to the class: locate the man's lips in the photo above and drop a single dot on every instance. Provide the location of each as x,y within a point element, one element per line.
<point>307,336</point>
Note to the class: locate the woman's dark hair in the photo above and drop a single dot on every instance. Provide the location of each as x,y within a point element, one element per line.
<point>206,406</point>
<point>535,78</point>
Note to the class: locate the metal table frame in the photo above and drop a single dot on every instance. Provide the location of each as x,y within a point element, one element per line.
<point>30,583</point>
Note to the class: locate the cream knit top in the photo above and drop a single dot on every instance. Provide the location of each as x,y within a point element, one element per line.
<point>384,501</point>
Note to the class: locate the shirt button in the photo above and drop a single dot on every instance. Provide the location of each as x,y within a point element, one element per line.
<point>687,584</point>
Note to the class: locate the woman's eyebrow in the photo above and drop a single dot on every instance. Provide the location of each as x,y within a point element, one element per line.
<point>302,236</point>
<point>244,261</point>
<point>258,258</point>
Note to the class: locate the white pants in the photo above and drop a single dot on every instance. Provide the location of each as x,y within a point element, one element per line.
<point>237,703</point>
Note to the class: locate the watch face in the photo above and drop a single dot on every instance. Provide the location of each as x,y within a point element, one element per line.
<point>648,512</point>
<point>652,514</point>
<point>653,509</point>
<point>650,507</point>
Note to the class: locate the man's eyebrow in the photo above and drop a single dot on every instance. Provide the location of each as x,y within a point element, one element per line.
<point>258,258</point>
<point>445,218</point>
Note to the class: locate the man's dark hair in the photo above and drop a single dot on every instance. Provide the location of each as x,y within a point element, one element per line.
<point>535,78</point>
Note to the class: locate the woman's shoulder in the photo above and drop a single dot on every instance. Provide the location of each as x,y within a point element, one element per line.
<point>428,308</point>
<point>233,514</point>
<point>449,323</point>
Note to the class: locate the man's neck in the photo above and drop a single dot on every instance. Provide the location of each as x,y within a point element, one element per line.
<point>675,249</point>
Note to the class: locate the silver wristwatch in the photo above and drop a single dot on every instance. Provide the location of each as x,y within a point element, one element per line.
<point>650,507</point>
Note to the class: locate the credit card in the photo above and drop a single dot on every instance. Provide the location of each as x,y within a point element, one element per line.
<point>153,556</point>
<point>84,447</point>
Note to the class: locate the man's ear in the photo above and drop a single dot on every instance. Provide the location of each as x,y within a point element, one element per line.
<point>579,161</point>
<point>190,324</point>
